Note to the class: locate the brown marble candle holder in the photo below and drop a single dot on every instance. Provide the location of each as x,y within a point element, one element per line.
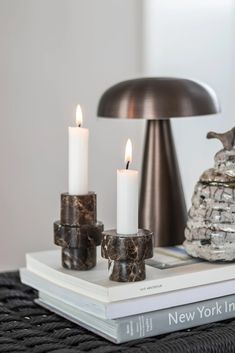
<point>78,210</point>
<point>80,259</point>
<point>76,237</point>
<point>126,254</point>
<point>78,232</point>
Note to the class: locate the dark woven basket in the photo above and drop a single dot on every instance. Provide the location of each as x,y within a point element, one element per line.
<point>26,327</point>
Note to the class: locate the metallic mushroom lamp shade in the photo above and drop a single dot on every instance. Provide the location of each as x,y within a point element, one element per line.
<point>162,203</point>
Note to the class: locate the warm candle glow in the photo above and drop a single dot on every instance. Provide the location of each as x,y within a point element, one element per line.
<point>78,157</point>
<point>127,196</point>
<point>128,152</point>
<point>79,116</point>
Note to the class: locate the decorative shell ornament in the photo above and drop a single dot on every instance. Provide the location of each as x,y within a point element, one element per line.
<point>210,230</point>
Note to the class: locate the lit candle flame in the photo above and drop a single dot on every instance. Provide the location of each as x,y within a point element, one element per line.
<point>79,116</point>
<point>128,153</point>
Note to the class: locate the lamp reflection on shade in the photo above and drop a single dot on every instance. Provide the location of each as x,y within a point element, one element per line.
<point>162,206</point>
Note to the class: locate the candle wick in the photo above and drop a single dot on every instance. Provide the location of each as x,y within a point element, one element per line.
<point>79,125</point>
<point>127,165</point>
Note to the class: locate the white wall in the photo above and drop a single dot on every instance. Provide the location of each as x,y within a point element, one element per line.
<point>194,39</point>
<point>54,54</point>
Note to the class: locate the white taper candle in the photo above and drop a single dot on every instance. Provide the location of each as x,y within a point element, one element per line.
<point>78,157</point>
<point>127,197</point>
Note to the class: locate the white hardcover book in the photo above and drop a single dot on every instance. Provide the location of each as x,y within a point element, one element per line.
<point>118,309</point>
<point>169,270</point>
<point>148,324</point>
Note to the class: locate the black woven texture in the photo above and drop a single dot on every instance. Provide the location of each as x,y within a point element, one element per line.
<point>26,327</point>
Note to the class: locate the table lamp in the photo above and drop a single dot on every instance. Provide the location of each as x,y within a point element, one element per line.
<point>157,99</point>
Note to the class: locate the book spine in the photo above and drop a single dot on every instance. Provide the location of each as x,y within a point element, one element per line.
<point>175,319</point>
<point>45,286</point>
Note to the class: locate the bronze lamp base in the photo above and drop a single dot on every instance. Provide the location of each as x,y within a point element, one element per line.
<point>162,201</point>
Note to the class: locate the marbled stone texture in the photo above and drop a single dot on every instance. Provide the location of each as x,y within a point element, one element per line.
<point>78,210</point>
<point>126,254</point>
<point>126,271</point>
<point>121,247</point>
<point>78,232</point>
<point>80,259</point>
<point>76,237</point>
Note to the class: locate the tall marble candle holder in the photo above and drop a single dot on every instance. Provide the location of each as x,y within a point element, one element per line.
<point>126,254</point>
<point>78,232</point>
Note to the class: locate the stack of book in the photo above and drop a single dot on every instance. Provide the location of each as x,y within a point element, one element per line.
<point>178,293</point>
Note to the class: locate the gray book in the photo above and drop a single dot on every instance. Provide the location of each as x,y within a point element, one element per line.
<point>148,324</point>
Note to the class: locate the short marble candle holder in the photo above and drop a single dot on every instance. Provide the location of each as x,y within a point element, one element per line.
<point>78,232</point>
<point>126,254</point>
